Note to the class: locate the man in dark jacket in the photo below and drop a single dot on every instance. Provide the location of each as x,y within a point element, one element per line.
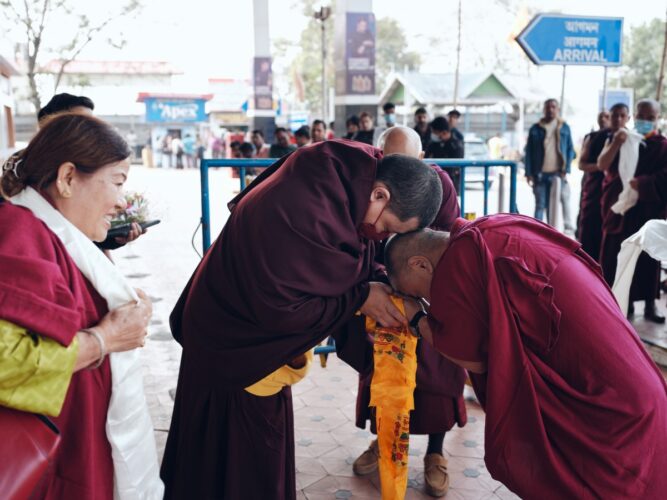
<point>549,153</point>
<point>445,145</point>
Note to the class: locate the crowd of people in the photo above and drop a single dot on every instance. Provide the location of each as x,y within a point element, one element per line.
<point>325,237</point>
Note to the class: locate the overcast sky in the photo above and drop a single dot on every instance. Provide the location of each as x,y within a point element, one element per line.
<point>208,38</point>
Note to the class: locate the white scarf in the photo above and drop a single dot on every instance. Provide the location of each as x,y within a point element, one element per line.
<point>128,426</point>
<point>627,166</point>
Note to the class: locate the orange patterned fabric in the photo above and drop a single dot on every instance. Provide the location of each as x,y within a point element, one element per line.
<point>392,389</point>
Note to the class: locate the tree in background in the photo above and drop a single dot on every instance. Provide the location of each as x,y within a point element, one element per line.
<point>41,22</point>
<point>642,55</point>
<point>305,69</point>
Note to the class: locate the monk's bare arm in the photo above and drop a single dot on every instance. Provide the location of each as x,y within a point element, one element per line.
<point>471,366</point>
<point>584,164</point>
<point>611,149</point>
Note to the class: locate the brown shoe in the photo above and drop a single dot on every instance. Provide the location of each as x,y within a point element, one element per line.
<point>436,479</point>
<point>367,462</point>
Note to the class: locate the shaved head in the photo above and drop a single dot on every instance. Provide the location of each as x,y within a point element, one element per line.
<point>412,257</point>
<point>652,103</point>
<point>401,140</point>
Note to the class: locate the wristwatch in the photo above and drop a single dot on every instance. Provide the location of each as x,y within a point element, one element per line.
<point>414,322</point>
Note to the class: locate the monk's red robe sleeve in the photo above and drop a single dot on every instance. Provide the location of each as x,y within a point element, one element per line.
<point>653,188</point>
<point>459,315</point>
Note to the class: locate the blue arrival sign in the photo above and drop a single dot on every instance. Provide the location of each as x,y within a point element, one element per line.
<point>577,40</point>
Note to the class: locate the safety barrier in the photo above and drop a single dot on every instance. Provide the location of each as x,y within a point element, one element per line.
<point>447,164</point>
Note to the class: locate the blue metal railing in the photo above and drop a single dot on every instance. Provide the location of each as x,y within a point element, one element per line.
<point>243,164</point>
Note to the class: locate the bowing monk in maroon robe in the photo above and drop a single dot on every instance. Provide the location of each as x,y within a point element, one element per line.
<point>650,182</point>
<point>575,407</point>
<point>291,266</point>
<point>438,396</point>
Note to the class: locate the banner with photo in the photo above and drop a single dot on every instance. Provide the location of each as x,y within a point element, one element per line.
<point>263,83</point>
<point>360,53</point>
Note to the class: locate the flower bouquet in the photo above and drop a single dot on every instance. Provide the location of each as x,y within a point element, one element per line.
<point>135,210</point>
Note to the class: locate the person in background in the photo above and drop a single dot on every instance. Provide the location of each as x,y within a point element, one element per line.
<point>189,150</point>
<point>318,131</point>
<point>549,153</point>
<point>589,221</point>
<point>177,151</point>
<point>247,150</point>
<point>165,149</point>
<point>201,151</point>
<point>389,110</point>
<point>453,118</point>
<point>422,127</point>
<point>650,184</point>
<point>443,145</point>
<point>217,146</point>
<point>352,126</point>
<point>438,396</point>
<point>66,103</point>
<point>302,136</point>
<point>235,149</point>
<point>56,326</point>
<point>366,132</point>
<point>261,148</point>
<point>331,134</point>
<point>282,145</point>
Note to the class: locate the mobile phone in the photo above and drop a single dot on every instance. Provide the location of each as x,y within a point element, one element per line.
<point>124,230</point>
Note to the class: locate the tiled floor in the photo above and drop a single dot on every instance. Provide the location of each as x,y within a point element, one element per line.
<point>327,442</point>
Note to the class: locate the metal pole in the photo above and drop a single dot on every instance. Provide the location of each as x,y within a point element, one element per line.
<point>324,73</point>
<point>562,92</point>
<point>501,191</point>
<point>458,60</point>
<point>604,91</point>
<point>486,190</point>
<point>205,207</point>
<point>513,208</point>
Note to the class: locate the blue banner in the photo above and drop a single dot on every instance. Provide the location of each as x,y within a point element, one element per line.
<point>573,40</point>
<point>175,110</point>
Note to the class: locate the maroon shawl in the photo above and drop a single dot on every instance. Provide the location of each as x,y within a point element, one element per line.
<point>288,268</point>
<point>43,291</point>
<point>575,407</point>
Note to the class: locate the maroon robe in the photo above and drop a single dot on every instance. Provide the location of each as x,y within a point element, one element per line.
<point>439,392</point>
<point>575,407</point>
<point>652,176</point>
<point>287,270</point>
<point>589,227</point>
<point>43,291</point>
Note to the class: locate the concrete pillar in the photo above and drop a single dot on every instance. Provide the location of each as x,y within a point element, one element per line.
<point>260,109</point>
<point>354,58</point>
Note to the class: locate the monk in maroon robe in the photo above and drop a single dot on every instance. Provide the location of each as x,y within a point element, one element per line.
<point>589,222</point>
<point>291,266</point>
<point>438,395</point>
<point>575,407</point>
<point>650,182</point>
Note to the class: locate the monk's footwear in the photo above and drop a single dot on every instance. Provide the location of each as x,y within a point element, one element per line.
<point>651,315</point>
<point>367,462</point>
<point>436,479</point>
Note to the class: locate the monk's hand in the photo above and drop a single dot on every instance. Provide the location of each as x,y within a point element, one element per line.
<point>379,306</point>
<point>411,307</point>
<point>124,328</point>
<point>620,136</point>
<point>530,180</point>
<point>634,184</point>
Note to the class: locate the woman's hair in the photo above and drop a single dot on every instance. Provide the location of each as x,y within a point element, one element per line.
<point>87,142</point>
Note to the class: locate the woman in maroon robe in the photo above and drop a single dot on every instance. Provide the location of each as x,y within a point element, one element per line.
<point>79,165</point>
<point>650,182</point>
<point>291,266</point>
<point>575,407</point>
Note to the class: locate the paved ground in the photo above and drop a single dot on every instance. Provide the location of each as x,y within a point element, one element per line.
<point>326,439</point>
